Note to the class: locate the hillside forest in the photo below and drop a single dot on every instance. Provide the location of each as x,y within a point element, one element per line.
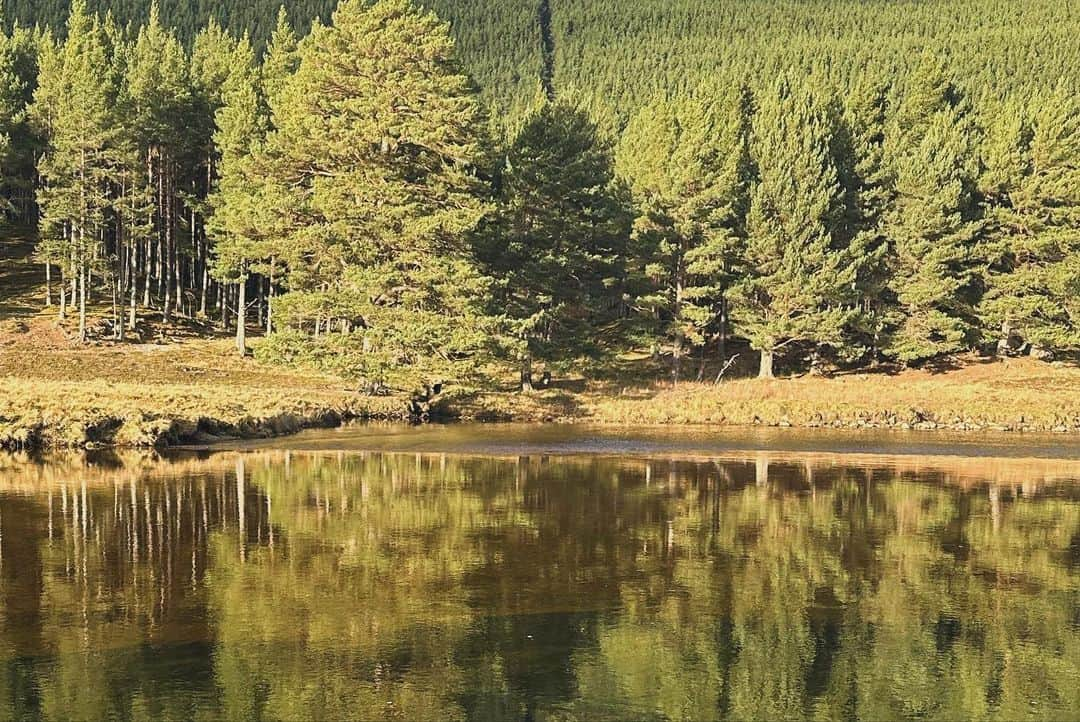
<point>392,189</point>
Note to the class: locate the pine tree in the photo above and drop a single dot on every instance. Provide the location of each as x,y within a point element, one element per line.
<point>212,58</point>
<point>858,150</point>
<point>75,103</point>
<point>558,245</point>
<point>281,60</point>
<point>160,89</point>
<point>235,224</point>
<point>377,137</point>
<point>16,144</point>
<point>931,221</point>
<point>798,280</point>
<point>686,162</point>
<point>1033,183</point>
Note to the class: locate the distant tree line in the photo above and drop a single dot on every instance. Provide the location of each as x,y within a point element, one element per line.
<point>358,196</point>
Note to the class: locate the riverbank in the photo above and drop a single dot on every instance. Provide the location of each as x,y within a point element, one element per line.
<point>1020,395</point>
<point>188,389</point>
<point>56,394</point>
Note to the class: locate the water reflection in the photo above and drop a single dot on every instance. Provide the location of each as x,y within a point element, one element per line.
<point>284,585</point>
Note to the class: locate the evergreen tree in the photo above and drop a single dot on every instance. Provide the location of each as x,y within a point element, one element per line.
<point>686,161</point>
<point>282,58</point>
<point>798,279</point>
<point>212,58</point>
<point>74,104</point>
<point>234,225</point>
<point>1033,182</point>
<point>18,71</point>
<point>859,137</point>
<point>931,220</point>
<point>377,137</point>
<point>160,88</point>
<point>558,244</point>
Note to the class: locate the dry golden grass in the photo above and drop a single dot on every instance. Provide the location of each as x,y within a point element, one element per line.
<point>1017,394</point>
<point>56,393</point>
<point>184,386</point>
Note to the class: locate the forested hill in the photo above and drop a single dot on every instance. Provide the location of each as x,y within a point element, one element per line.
<point>823,183</point>
<point>613,56</point>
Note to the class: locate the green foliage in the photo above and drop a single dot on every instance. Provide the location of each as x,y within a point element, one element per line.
<point>799,277</point>
<point>931,221</point>
<point>687,163</point>
<point>895,195</point>
<point>377,138</point>
<point>558,244</point>
<point>74,105</point>
<point>242,123</point>
<point>1033,187</point>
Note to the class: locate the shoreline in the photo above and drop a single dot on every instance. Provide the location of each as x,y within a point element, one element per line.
<point>55,394</point>
<point>140,422</point>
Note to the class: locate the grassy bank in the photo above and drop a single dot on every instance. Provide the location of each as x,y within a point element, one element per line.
<point>1011,395</point>
<point>185,383</point>
<point>56,394</point>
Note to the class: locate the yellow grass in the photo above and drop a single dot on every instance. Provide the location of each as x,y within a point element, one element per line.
<point>1017,394</point>
<point>185,386</point>
<point>56,393</point>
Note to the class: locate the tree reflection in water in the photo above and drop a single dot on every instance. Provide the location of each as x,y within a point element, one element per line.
<point>365,585</point>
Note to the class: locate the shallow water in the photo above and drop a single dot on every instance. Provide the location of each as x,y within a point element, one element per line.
<point>509,573</point>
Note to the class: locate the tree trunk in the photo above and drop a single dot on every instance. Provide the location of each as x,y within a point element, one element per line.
<point>223,304</point>
<point>766,371</point>
<point>205,288</point>
<point>1003,342</point>
<point>178,276</point>
<point>241,316</point>
<point>676,360</point>
<point>131,310</point>
<point>63,296</point>
<point>270,303</point>
<point>527,373</point>
<point>677,348</point>
<point>82,304</point>
<point>721,346</point>
<point>147,266</point>
<point>48,284</point>
<point>118,321</point>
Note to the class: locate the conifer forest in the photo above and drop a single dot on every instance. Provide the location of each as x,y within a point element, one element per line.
<point>433,189</point>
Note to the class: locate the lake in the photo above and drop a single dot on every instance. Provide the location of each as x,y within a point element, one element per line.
<point>546,573</point>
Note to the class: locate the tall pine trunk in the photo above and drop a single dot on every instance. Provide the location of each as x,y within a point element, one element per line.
<point>63,295</point>
<point>270,303</point>
<point>241,316</point>
<point>527,372</point>
<point>82,301</point>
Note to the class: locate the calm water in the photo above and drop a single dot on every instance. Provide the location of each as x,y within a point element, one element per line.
<point>503,574</point>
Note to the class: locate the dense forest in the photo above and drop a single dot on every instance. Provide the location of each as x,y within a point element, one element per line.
<point>827,183</point>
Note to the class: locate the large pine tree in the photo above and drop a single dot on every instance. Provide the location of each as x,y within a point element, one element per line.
<point>1033,183</point>
<point>377,139</point>
<point>799,278</point>
<point>687,162</point>
<point>74,107</point>
<point>931,221</point>
<point>235,224</point>
<point>558,246</point>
